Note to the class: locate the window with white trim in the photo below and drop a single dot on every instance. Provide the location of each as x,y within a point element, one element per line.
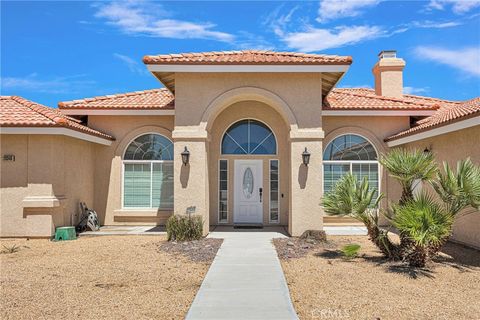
<point>350,153</point>
<point>274,191</point>
<point>148,173</point>
<point>223,191</point>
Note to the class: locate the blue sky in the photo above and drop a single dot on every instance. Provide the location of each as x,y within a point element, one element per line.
<point>58,51</point>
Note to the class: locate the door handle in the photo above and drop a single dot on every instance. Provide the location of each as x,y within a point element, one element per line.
<point>260,190</point>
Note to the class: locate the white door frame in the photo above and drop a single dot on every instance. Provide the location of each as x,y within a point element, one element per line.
<point>248,211</point>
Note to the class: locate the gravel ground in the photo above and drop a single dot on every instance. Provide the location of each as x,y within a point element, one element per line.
<point>323,285</point>
<point>203,250</point>
<point>122,277</point>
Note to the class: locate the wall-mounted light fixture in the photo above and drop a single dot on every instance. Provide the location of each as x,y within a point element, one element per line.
<point>185,156</point>
<point>8,157</point>
<point>306,157</point>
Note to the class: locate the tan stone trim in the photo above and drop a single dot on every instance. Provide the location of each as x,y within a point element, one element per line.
<point>190,133</point>
<point>227,98</point>
<point>297,134</point>
<point>42,201</point>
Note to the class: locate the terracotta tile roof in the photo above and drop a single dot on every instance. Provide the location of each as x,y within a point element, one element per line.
<point>447,114</point>
<point>147,99</point>
<point>366,99</point>
<point>248,57</point>
<point>19,112</point>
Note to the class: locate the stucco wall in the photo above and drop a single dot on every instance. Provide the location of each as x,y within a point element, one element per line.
<point>108,167</point>
<point>195,92</point>
<point>41,189</point>
<point>452,147</point>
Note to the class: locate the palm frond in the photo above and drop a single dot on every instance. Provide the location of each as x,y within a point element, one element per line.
<point>423,220</point>
<point>408,166</point>
<point>461,188</point>
<point>352,197</point>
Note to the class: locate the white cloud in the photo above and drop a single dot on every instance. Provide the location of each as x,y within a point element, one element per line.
<point>279,22</point>
<point>458,6</point>
<point>146,18</point>
<point>132,65</point>
<point>466,59</point>
<point>335,9</point>
<point>414,90</point>
<point>315,39</point>
<point>427,24</point>
<point>32,82</point>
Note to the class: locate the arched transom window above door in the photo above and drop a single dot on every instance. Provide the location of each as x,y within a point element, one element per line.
<point>350,153</point>
<point>249,137</point>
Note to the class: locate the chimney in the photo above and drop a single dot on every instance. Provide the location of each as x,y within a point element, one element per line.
<point>388,73</point>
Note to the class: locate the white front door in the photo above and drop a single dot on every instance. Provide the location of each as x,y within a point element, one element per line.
<point>248,192</point>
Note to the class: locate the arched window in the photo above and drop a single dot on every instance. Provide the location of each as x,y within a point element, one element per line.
<point>148,173</point>
<point>349,153</point>
<point>249,137</point>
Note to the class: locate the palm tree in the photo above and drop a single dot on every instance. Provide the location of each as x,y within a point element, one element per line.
<point>408,166</point>
<point>459,189</point>
<point>356,199</point>
<point>426,224</point>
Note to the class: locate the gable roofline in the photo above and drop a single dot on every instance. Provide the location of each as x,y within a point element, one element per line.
<point>165,66</point>
<point>450,117</point>
<point>152,99</point>
<point>21,116</point>
<point>247,57</point>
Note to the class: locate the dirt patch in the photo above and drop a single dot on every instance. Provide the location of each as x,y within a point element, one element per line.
<point>294,248</point>
<point>325,285</point>
<point>203,250</point>
<point>97,278</point>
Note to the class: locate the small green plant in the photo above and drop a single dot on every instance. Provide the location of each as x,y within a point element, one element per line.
<point>350,251</point>
<point>10,249</point>
<point>184,228</point>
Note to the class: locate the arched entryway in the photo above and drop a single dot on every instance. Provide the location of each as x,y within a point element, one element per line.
<point>249,165</point>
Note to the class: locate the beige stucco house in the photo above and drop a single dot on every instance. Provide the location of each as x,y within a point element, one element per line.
<point>240,138</point>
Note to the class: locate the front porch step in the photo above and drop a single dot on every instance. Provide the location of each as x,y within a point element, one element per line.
<point>341,221</point>
<point>247,226</point>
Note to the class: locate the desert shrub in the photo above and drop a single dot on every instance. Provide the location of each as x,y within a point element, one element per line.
<point>10,249</point>
<point>350,251</point>
<point>184,228</point>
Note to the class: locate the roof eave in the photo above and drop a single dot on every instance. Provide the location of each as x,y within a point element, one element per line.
<point>438,129</point>
<point>57,130</point>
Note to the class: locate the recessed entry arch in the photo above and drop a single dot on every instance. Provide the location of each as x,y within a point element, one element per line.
<point>233,96</point>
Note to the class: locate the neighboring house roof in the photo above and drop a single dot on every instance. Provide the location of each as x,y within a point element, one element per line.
<point>449,113</point>
<point>146,99</point>
<point>366,99</point>
<point>248,57</point>
<point>19,112</point>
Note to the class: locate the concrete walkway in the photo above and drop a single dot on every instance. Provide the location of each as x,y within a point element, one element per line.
<point>245,281</point>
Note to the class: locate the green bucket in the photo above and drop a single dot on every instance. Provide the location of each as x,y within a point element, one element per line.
<point>65,233</point>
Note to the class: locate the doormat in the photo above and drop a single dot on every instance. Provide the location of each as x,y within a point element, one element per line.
<point>248,227</point>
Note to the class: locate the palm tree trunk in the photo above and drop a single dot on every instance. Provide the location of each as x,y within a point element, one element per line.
<point>381,240</point>
<point>417,258</point>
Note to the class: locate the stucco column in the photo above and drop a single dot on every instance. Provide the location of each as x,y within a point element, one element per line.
<point>191,181</point>
<point>306,181</point>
